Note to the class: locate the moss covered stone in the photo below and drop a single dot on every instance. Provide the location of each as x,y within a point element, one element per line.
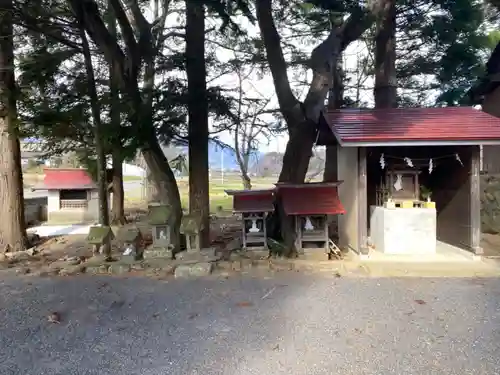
<point>98,235</point>
<point>191,225</point>
<point>159,215</point>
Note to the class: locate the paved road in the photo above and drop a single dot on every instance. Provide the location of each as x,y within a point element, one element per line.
<point>132,187</point>
<point>290,324</point>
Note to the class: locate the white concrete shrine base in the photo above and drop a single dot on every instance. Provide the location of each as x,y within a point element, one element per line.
<point>444,253</point>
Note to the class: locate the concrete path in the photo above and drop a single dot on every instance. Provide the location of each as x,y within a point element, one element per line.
<point>59,230</point>
<point>288,324</point>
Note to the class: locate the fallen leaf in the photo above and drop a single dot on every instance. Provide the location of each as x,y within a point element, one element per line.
<point>244,304</point>
<point>420,301</point>
<point>54,317</point>
<point>192,316</point>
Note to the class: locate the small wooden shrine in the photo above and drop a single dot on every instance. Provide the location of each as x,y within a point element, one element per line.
<point>253,206</point>
<point>411,177</point>
<point>311,204</point>
<point>72,196</point>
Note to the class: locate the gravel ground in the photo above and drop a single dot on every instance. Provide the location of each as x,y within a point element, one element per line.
<point>287,324</point>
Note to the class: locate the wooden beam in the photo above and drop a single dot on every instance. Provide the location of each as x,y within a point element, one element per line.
<point>362,202</point>
<point>475,201</point>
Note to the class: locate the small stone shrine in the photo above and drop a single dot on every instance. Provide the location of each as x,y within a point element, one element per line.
<point>310,204</point>
<point>253,206</point>
<point>131,240</point>
<point>99,236</point>
<point>159,217</point>
<point>191,226</point>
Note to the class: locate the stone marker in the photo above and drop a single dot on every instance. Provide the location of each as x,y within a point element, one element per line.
<point>98,236</point>
<point>191,226</point>
<point>131,239</point>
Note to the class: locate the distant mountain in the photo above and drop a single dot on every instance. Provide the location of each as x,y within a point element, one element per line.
<point>223,157</point>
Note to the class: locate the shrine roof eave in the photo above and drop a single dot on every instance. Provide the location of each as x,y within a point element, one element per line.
<point>306,185</point>
<point>63,187</point>
<point>249,192</point>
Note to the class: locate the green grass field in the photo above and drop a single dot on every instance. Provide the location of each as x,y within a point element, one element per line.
<point>219,200</point>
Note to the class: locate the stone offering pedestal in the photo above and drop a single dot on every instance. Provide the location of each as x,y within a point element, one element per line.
<point>403,231</point>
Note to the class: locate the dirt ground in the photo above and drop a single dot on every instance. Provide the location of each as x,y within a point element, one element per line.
<point>62,248</point>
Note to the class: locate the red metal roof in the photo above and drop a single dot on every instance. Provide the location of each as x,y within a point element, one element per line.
<point>310,199</point>
<point>66,179</point>
<point>464,125</point>
<point>253,201</point>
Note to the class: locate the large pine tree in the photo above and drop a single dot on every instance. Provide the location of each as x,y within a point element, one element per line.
<point>12,226</point>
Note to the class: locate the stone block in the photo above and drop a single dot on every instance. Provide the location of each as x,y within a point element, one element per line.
<point>193,270</point>
<point>96,270</point>
<point>205,255</point>
<point>236,265</point>
<point>246,264</point>
<point>157,253</point>
<point>119,268</point>
<point>282,265</point>
<point>409,231</point>
<point>71,270</point>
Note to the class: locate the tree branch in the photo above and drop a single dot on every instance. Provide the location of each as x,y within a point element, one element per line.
<point>277,64</point>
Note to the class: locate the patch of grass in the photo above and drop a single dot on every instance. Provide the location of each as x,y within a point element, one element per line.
<point>132,178</point>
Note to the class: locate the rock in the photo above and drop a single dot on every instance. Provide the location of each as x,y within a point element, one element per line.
<point>235,244</point>
<point>3,257</point>
<point>23,270</point>
<point>193,270</point>
<point>71,270</point>
<point>17,256</point>
<point>33,251</point>
<point>73,261</point>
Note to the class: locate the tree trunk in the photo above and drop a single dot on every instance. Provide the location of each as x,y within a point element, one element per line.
<point>385,91</point>
<point>335,101</point>
<point>199,200</point>
<point>166,185</point>
<point>102,181</point>
<point>118,207</point>
<point>12,226</point>
<point>295,164</point>
<point>247,183</point>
